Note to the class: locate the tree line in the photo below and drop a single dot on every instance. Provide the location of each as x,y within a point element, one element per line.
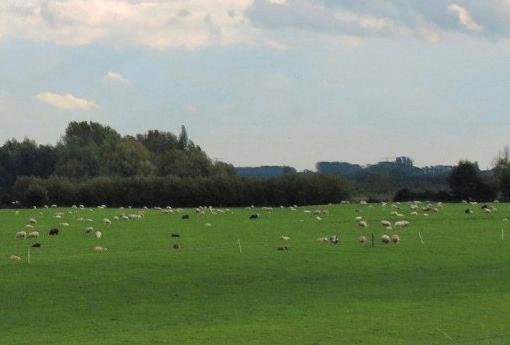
<point>93,164</point>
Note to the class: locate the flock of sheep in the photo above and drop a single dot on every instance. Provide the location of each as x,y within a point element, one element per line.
<point>386,238</point>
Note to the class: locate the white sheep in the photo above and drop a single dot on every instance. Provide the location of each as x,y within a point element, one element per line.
<point>21,234</point>
<point>395,239</point>
<point>99,249</point>
<point>64,224</point>
<point>363,223</point>
<point>107,221</point>
<point>385,239</point>
<point>32,221</point>
<point>401,224</point>
<point>33,234</point>
<point>284,238</point>
<point>98,234</point>
<point>363,239</point>
<point>385,223</point>
<point>15,258</point>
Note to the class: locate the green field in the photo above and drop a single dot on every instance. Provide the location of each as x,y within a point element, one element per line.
<point>452,289</point>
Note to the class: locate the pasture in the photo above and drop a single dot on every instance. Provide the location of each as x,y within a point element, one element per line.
<point>452,288</point>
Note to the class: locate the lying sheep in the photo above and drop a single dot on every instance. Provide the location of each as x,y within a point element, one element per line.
<point>385,239</point>
<point>15,258</point>
<point>363,224</point>
<point>284,238</point>
<point>99,249</point>
<point>363,240</point>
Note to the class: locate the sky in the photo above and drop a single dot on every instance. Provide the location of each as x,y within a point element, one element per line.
<point>266,82</point>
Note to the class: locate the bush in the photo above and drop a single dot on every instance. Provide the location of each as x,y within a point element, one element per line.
<point>35,195</point>
<point>186,192</point>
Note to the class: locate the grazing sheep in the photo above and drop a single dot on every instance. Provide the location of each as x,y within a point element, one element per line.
<point>255,216</point>
<point>208,224</point>
<point>363,240</point>
<point>334,239</point>
<point>395,239</point>
<point>64,224</point>
<point>283,249</point>
<point>54,232</point>
<point>33,234</point>
<point>401,224</point>
<point>318,218</point>
<point>29,226</point>
<point>32,221</point>
<point>89,229</point>
<point>107,221</point>
<point>323,239</point>
<point>414,213</point>
<point>98,234</point>
<point>284,238</point>
<point>359,218</point>
<point>15,258</point>
<point>99,249</point>
<point>385,239</point>
<point>385,223</point>
<point>487,210</point>
<point>36,245</point>
<point>21,234</point>
<point>363,224</point>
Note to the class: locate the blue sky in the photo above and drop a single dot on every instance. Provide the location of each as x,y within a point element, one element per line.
<point>265,81</point>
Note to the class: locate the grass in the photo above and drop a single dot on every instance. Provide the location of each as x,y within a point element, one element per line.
<point>454,289</point>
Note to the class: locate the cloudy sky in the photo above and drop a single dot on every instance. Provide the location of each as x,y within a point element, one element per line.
<point>266,81</point>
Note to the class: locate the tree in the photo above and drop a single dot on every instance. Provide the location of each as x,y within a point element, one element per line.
<point>183,139</point>
<point>467,184</point>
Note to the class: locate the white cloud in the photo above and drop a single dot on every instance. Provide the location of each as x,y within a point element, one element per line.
<point>66,101</point>
<point>156,24</point>
<point>117,77</point>
<point>465,18</point>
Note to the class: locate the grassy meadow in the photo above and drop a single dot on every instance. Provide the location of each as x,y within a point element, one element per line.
<point>454,288</point>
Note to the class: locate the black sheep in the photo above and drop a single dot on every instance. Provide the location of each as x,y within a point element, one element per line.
<point>54,232</point>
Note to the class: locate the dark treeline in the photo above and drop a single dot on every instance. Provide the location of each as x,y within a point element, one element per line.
<point>93,164</point>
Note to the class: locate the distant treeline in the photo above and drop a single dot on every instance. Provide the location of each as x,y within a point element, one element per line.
<point>93,164</point>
